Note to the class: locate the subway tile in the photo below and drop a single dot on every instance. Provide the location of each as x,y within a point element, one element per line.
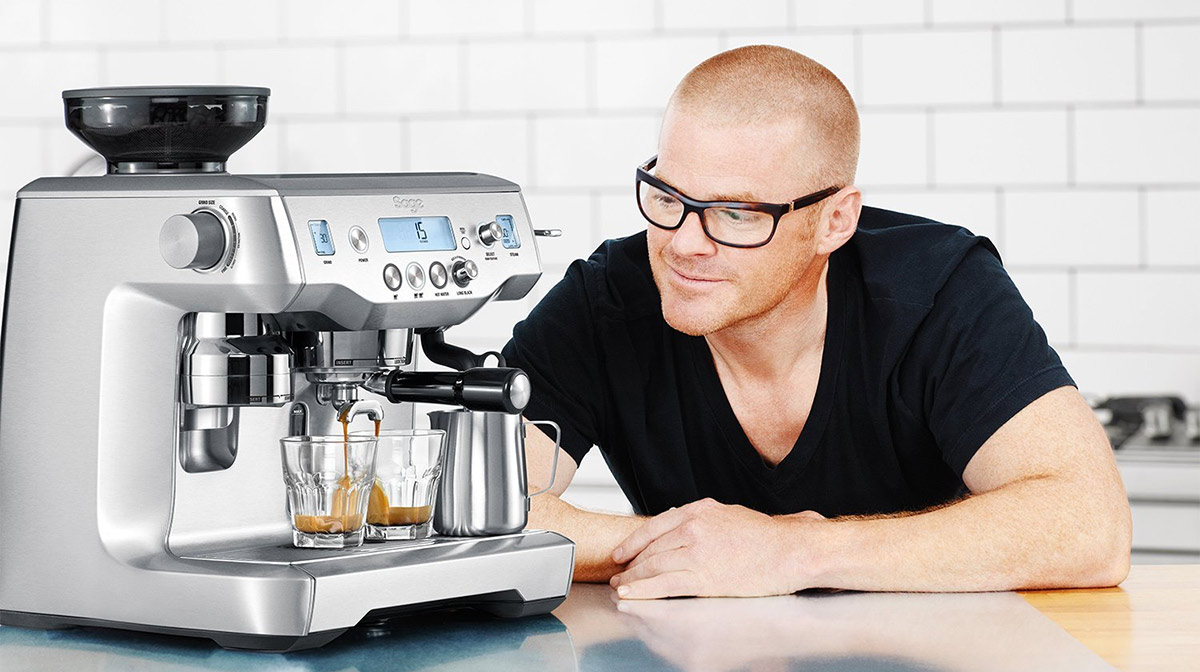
<point>1108,373</point>
<point>23,159</point>
<point>834,51</point>
<point>223,21</point>
<point>1173,228</point>
<point>720,14</point>
<point>813,13</point>
<point>323,20</point>
<point>997,11</point>
<point>459,18</point>
<point>20,22</point>
<point>526,75</point>
<point>1049,297</point>
<point>1170,57</point>
<point>556,16</point>
<point>162,66</point>
<point>893,149</point>
<point>1138,309</point>
<point>344,146</point>
<point>1143,9</point>
<point>1071,228</point>
<point>1143,145</point>
<point>303,80</point>
<point>1070,65</point>
<point>973,210</point>
<point>571,214</point>
<point>38,78</point>
<point>592,151</point>
<point>1000,147</point>
<point>263,154</point>
<point>495,146</point>
<point>643,72</point>
<point>618,216</point>
<point>104,21</point>
<point>402,79</point>
<point>927,68</point>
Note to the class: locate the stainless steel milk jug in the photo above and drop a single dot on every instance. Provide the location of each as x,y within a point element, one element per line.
<point>484,486</point>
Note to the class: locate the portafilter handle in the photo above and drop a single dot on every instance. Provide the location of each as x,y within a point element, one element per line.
<point>505,390</point>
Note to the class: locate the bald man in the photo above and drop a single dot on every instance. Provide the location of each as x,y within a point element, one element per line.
<point>796,391</point>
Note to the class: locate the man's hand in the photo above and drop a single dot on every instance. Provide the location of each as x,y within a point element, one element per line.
<point>706,548</point>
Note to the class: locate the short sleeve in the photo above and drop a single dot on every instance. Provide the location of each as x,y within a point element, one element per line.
<point>978,358</point>
<point>556,347</point>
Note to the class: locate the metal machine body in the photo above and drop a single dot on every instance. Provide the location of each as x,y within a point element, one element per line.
<point>152,492</point>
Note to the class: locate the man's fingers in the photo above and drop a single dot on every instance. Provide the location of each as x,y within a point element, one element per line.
<point>678,537</point>
<point>661,563</point>
<point>671,584</point>
<point>648,532</point>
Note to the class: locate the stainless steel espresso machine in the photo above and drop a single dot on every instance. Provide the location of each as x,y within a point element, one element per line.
<point>167,323</point>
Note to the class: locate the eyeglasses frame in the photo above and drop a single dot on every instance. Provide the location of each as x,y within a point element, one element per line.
<point>776,210</point>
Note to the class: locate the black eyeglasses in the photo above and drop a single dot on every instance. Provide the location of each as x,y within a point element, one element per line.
<point>732,223</point>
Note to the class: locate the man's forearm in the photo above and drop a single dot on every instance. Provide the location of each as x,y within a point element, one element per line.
<point>996,540</point>
<point>595,534</point>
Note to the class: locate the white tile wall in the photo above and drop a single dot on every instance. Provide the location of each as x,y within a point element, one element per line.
<point>20,22</point>
<point>997,11</point>
<point>1173,228</point>
<point>535,75</point>
<point>1000,147</point>
<point>1170,55</point>
<point>1138,145</point>
<point>721,14</point>
<point>1065,130</point>
<point>1071,228</point>
<point>1076,64</point>
<point>927,67</point>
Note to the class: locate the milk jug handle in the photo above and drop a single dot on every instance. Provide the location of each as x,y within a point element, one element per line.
<point>554,465</point>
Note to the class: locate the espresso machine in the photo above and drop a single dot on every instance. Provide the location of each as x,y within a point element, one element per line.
<point>192,318</point>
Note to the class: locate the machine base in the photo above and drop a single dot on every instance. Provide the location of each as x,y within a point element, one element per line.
<point>506,604</point>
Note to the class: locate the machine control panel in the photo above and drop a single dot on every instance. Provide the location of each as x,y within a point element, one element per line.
<point>424,259</point>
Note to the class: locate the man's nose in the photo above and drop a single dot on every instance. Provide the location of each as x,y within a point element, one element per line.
<point>690,239</point>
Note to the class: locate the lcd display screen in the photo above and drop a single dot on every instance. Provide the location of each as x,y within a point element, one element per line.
<point>417,234</point>
<point>322,241</point>
<point>510,240</point>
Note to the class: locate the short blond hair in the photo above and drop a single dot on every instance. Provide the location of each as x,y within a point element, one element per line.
<point>770,84</point>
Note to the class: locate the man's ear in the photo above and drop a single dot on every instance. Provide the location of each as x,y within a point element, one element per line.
<point>840,219</point>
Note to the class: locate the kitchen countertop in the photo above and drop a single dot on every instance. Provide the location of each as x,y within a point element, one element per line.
<point>1150,622</point>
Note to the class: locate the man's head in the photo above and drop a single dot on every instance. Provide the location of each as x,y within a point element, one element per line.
<point>760,124</point>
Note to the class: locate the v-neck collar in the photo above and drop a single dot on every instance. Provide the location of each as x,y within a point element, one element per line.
<point>806,444</point>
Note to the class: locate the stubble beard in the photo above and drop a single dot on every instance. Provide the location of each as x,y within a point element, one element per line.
<point>734,306</point>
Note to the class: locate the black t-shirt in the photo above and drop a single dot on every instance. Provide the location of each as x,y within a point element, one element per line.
<point>929,349</point>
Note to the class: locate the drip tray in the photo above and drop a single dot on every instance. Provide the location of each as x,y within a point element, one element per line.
<point>286,554</point>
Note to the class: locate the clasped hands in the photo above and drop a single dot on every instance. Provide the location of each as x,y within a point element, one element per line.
<point>706,548</point>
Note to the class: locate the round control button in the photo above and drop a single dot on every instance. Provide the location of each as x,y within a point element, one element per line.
<point>392,277</point>
<point>437,274</point>
<point>416,275</point>
<point>464,271</point>
<point>194,241</point>
<point>466,243</point>
<point>489,233</point>
<point>358,239</point>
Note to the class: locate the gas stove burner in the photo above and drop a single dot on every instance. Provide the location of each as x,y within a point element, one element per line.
<point>166,129</point>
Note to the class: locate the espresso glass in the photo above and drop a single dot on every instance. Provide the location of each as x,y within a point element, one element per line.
<point>329,481</point>
<point>408,464</point>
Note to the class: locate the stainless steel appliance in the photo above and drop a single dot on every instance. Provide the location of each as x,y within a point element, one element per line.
<point>166,323</point>
<point>1157,444</point>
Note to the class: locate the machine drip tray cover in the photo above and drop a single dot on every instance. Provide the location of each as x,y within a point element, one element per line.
<point>286,554</point>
